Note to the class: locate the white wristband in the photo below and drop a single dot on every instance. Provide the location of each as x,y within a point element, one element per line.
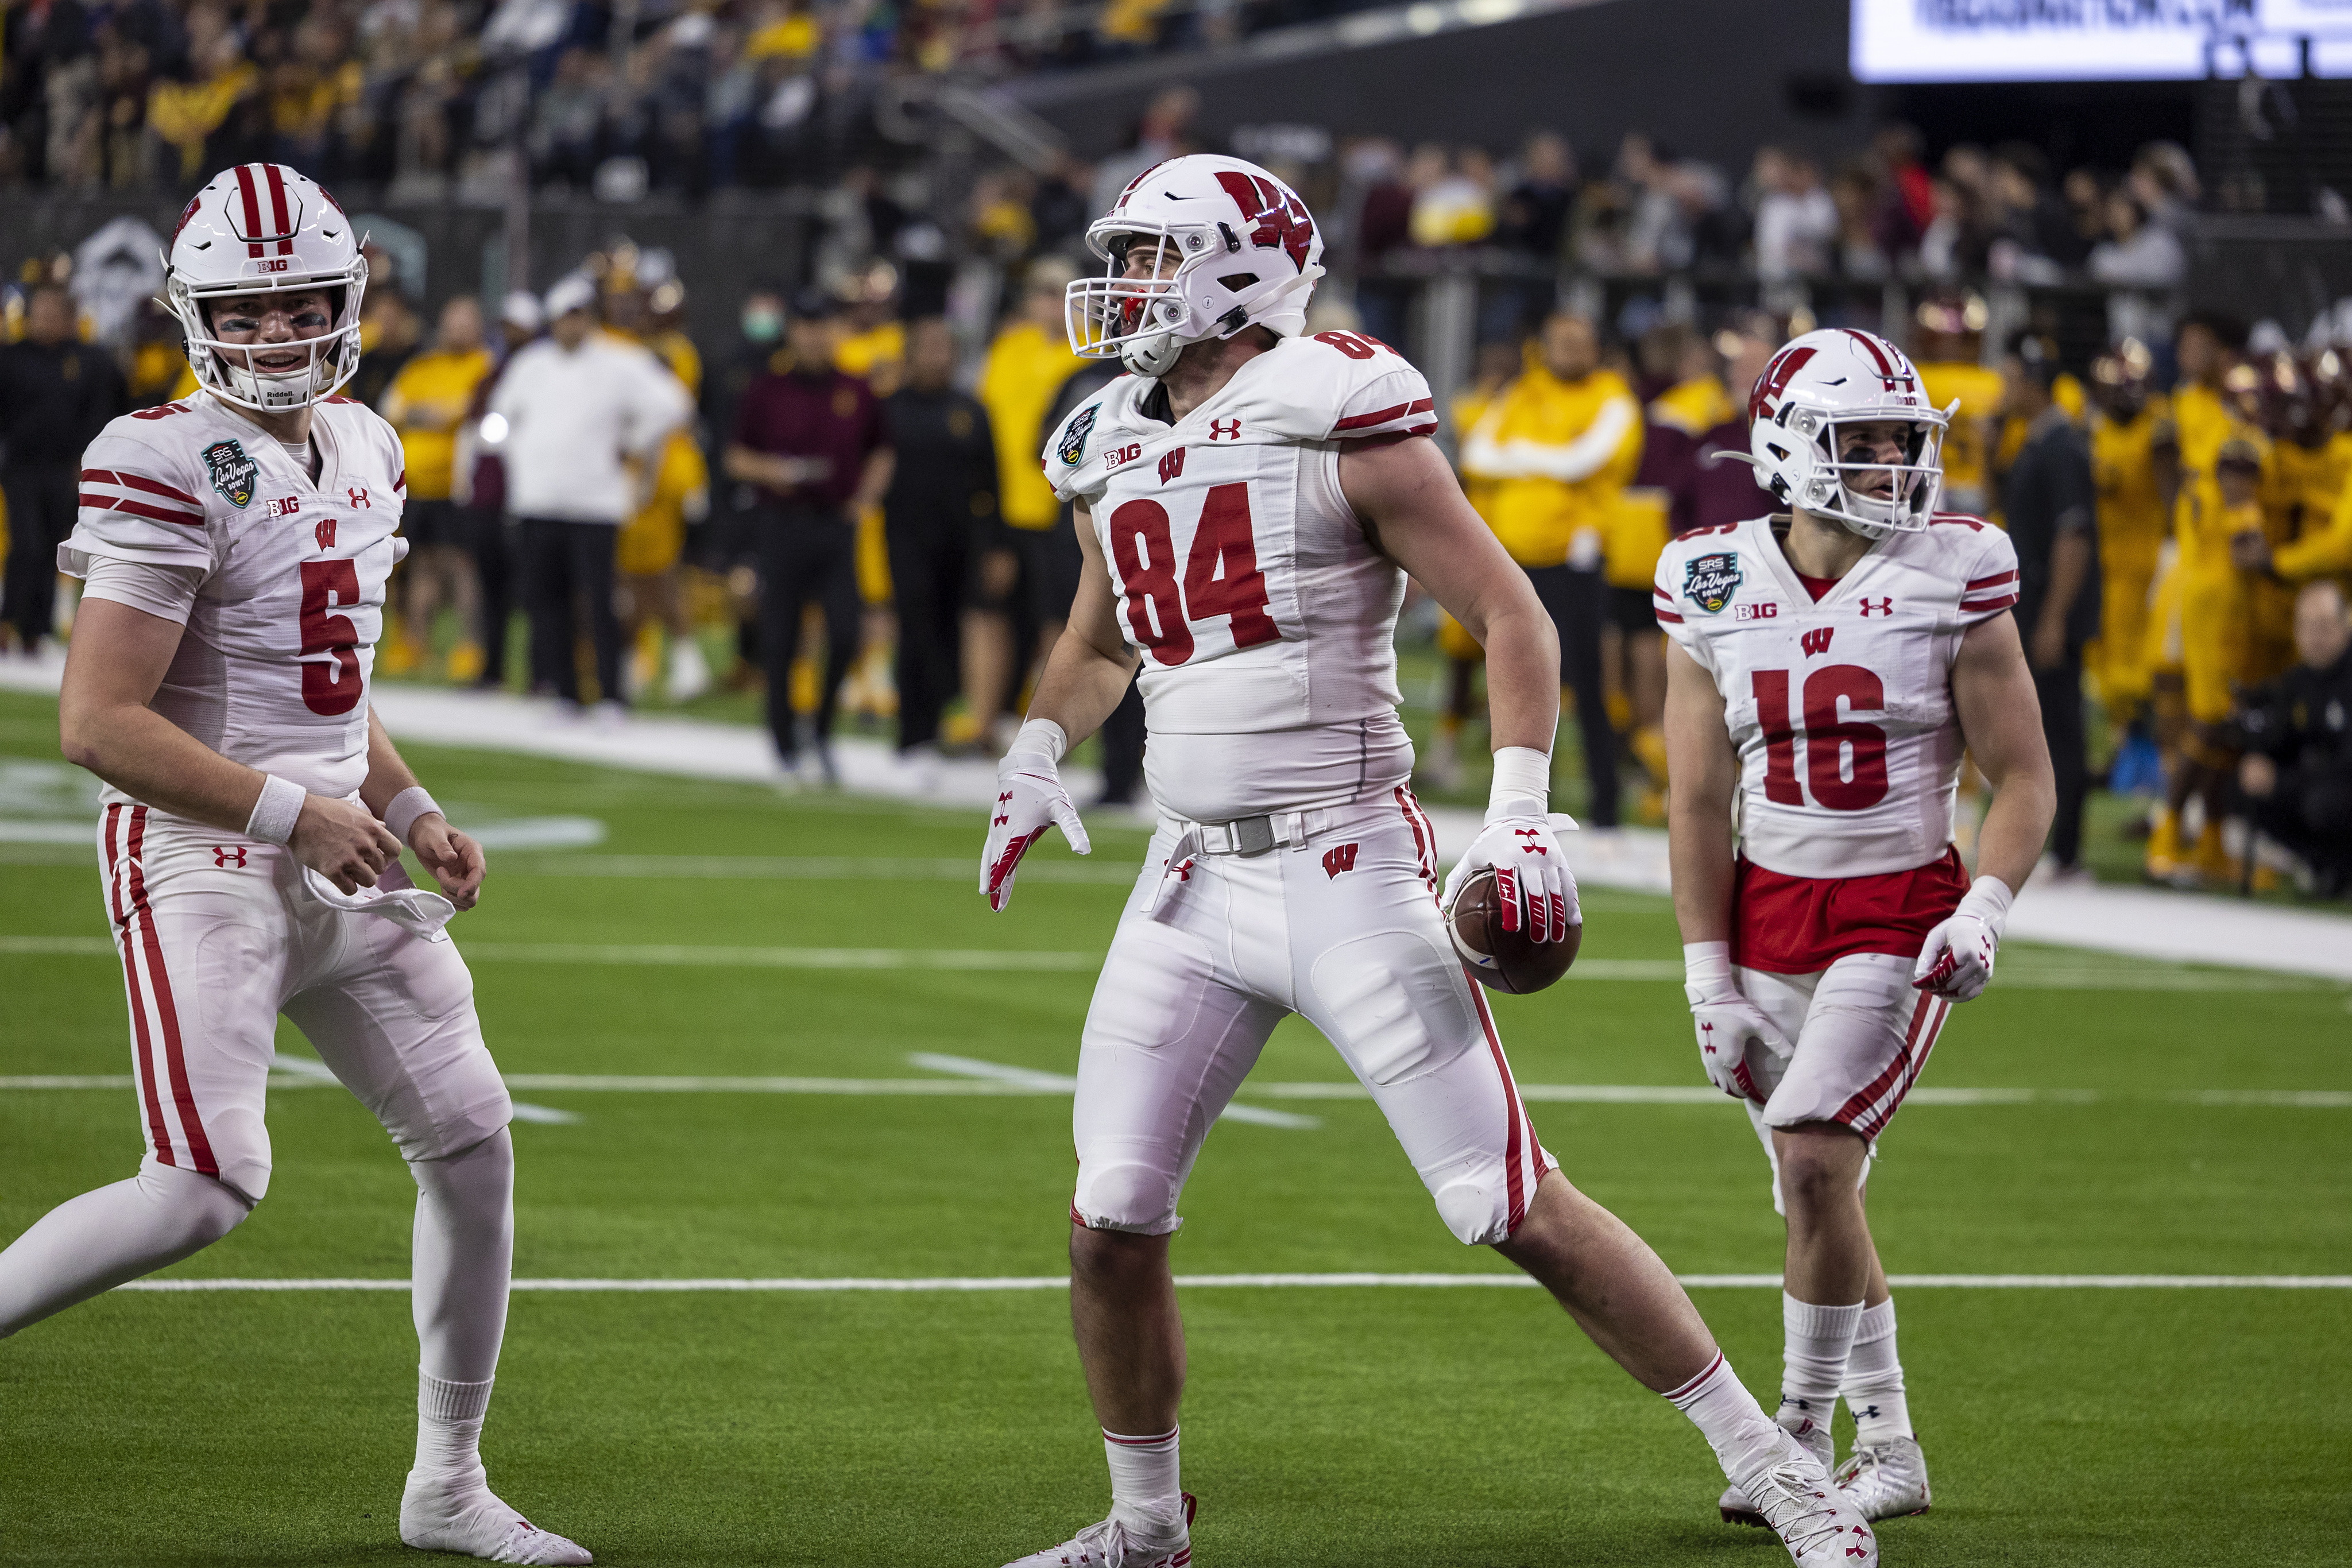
<point>1041,735</point>
<point>1521,773</point>
<point>410,803</point>
<point>277,811</point>
<point>1988,899</point>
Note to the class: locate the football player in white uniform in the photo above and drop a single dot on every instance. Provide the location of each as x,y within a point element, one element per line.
<point>234,549</point>
<point>1829,665</point>
<point>1249,500</point>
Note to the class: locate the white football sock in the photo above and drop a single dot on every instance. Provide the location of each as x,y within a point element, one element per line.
<point>450,1431</point>
<point>1144,1488</point>
<point>1818,1339</point>
<point>464,1256</point>
<point>1873,1379</point>
<point>1743,1438</point>
<point>91,1244</point>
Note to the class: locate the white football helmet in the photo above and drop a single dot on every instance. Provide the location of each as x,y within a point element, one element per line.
<point>265,228</point>
<point>1840,376</point>
<point>1248,255</point>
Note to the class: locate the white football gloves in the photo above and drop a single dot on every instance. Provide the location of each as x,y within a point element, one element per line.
<point>1029,800</point>
<point>1726,1020</point>
<point>1956,963</point>
<point>1522,843</point>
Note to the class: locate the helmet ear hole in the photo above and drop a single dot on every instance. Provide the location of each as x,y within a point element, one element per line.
<point>1237,281</point>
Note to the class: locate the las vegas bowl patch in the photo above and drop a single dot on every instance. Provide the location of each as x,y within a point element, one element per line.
<point>1074,439</point>
<point>231,471</point>
<point>1710,580</point>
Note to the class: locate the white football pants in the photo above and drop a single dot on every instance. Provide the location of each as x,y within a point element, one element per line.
<point>1342,928</point>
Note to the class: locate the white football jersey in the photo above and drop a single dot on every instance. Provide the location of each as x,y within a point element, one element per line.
<point>1841,710</point>
<point>273,668</point>
<point>1244,577</point>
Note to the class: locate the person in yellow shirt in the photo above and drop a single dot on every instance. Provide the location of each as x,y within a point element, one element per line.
<point>646,554</point>
<point>1559,444</point>
<point>1441,766</point>
<point>2125,420</point>
<point>1032,555</point>
<point>425,402</point>
<point>1949,350</point>
<point>870,343</point>
<point>2319,544</point>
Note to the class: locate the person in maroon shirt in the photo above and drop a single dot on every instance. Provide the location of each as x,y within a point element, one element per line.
<point>812,440</point>
<point>1723,489</point>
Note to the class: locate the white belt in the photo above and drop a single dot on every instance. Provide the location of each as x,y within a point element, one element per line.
<point>1252,836</point>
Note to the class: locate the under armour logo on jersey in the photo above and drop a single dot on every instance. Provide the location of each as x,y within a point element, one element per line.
<point>1225,429</point>
<point>360,499</point>
<point>1817,641</point>
<point>231,856</point>
<point>1532,849</point>
<point>1171,464</point>
<point>325,533</point>
<point>1335,860</point>
<point>1877,607</point>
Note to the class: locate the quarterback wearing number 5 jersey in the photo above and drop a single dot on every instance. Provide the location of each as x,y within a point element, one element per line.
<point>1249,500</point>
<point>1829,665</point>
<point>234,549</point>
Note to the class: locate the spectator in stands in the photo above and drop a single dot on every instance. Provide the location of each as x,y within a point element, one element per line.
<point>1861,210</point>
<point>2034,218</point>
<point>2137,253</point>
<point>2297,773</point>
<point>1796,220</point>
<point>1533,219</point>
<point>426,402</point>
<point>1163,131</point>
<point>390,331</point>
<point>1723,487</point>
<point>1907,191</point>
<point>576,405</point>
<point>812,439</point>
<point>1559,445</point>
<point>941,502</point>
<point>1456,207</point>
<point>56,394</point>
<point>2052,507</point>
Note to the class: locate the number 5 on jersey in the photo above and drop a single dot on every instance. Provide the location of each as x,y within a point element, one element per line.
<point>1221,575</point>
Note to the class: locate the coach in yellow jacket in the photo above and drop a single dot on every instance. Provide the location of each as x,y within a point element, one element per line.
<point>1558,447</point>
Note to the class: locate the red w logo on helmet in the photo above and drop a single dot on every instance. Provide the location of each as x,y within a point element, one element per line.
<point>1282,220</point>
<point>1762,403</point>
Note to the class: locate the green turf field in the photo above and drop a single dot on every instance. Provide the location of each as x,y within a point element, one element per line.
<point>1325,1426</point>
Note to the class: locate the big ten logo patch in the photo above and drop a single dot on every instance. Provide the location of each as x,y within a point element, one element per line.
<point>1338,859</point>
<point>1120,455</point>
<point>1765,612</point>
<point>281,505</point>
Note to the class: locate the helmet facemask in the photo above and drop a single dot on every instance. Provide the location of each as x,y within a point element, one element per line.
<point>1145,321</point>
<point>227,370</point>
<point>1869,496</point>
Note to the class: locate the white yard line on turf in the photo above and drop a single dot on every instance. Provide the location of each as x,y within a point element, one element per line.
<point>305,1069</point>
<point>2021,973</point>
<point>1296,1281</point>
<point>1055,1084</point>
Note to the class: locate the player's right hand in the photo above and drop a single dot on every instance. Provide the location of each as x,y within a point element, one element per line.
<point>1725,1022</point>
<point>342,842</point>
<point>1029,800</point>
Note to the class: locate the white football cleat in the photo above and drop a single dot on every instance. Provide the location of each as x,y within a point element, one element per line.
<point>465,1517</point>
<point>1813,1437</point>
<point>1885,1481</point>
<point>1803,1507</point>
<point>1108,1545</point>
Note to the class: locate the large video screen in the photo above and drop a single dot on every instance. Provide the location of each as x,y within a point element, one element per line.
<point>2088,40</point>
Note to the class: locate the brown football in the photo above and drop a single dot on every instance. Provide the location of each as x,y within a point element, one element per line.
<point>1504,961</point>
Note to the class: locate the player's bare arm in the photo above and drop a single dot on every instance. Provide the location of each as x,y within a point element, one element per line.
<point>455,859</point>
<point>1705,770</point>
<point>1992,690</point>
<point>117,660</point>
<point>1405,491</point>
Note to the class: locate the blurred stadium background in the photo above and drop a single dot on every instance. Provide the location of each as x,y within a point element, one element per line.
<point>782,1041</point>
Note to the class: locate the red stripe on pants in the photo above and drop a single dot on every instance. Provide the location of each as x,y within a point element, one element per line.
<point>158,1133</point>
<point>199,1149</point>
<point>1857,1107</point>
<point>1513,1188</point>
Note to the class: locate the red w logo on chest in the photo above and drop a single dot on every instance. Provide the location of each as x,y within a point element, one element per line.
<point>1171,464</point>
<point>325,533</point>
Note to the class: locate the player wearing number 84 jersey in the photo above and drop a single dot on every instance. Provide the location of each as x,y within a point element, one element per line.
<point>1248,501</point>
<point>1829,664</point>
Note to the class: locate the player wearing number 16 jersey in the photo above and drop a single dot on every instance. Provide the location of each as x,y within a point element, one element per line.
<point>1249,500</point>
<point>1829,665</point>
<point>236,548</point>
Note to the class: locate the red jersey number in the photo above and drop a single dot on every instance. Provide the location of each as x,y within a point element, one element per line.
<point>329,688</point>
<point>1845,759</point>
<point>1221,574</point>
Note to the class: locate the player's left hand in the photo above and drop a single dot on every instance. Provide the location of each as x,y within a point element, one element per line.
<point>1539,891</point>
<point>1030,799</point>
<point>454,860</point>
<point>1955,964</point>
